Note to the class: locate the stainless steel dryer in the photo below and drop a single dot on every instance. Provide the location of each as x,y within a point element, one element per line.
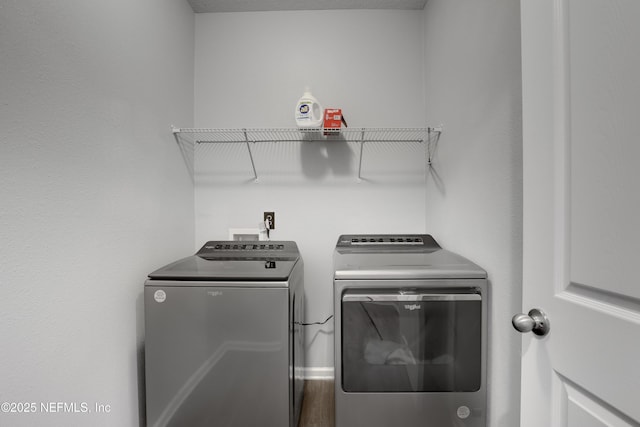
<point>224,340</point>
<point>410,334</point>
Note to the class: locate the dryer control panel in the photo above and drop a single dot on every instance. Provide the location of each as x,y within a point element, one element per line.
<point>388,242</point>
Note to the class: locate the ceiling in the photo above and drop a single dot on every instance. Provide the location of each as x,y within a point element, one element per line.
<point>204,6</point>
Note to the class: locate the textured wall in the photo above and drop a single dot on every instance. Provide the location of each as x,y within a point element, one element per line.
<point>474,191</point>
<point>251,68</point>
<point>93,187</point>
<point>94,194</point>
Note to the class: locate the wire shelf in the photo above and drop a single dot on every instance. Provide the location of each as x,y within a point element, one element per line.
<point>187,138</point>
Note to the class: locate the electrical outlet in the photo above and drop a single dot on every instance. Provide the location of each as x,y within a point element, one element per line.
<point>270,220</point>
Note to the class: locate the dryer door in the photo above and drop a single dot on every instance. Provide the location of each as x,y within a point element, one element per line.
<point>423,340</point>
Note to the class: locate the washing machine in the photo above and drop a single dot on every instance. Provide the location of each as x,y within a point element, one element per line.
<point>224,338</point>
<point>410,334</point>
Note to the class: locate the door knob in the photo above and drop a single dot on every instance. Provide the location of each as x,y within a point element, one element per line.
<point>536,321</point>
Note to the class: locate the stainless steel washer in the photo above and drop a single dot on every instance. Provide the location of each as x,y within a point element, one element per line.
<point>410,334</point>
<point>224,340</point>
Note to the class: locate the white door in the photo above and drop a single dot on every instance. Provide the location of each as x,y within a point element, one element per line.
<point>581,123</point>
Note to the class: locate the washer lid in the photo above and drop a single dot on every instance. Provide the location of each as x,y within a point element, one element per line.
<point>235,261</point>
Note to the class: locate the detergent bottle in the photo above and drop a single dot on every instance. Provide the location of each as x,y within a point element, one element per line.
<point>309,112</point>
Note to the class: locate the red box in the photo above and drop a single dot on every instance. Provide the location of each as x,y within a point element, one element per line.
<point>333,120</point>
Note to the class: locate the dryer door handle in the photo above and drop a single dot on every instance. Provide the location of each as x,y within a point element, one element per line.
<point>410,297</point>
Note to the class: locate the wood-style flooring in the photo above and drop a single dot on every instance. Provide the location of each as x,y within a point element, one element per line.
<point>318,404</point>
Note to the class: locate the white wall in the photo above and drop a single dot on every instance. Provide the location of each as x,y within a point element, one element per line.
<point>474,193</point>
<point>94,195</point>
<point>251,68</point>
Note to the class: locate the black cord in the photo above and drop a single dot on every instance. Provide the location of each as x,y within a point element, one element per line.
<point>314,323</point>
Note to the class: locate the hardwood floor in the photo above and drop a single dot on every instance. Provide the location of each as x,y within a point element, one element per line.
<point>318,404</point>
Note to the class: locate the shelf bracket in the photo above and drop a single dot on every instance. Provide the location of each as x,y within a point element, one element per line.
<point>433,135</point>
<point>253,165</point>
<point>361,150</point>
<point>188,160</point>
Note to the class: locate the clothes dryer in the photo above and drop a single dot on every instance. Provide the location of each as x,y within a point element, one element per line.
<point>224,340</point>
<point>410,334</point>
